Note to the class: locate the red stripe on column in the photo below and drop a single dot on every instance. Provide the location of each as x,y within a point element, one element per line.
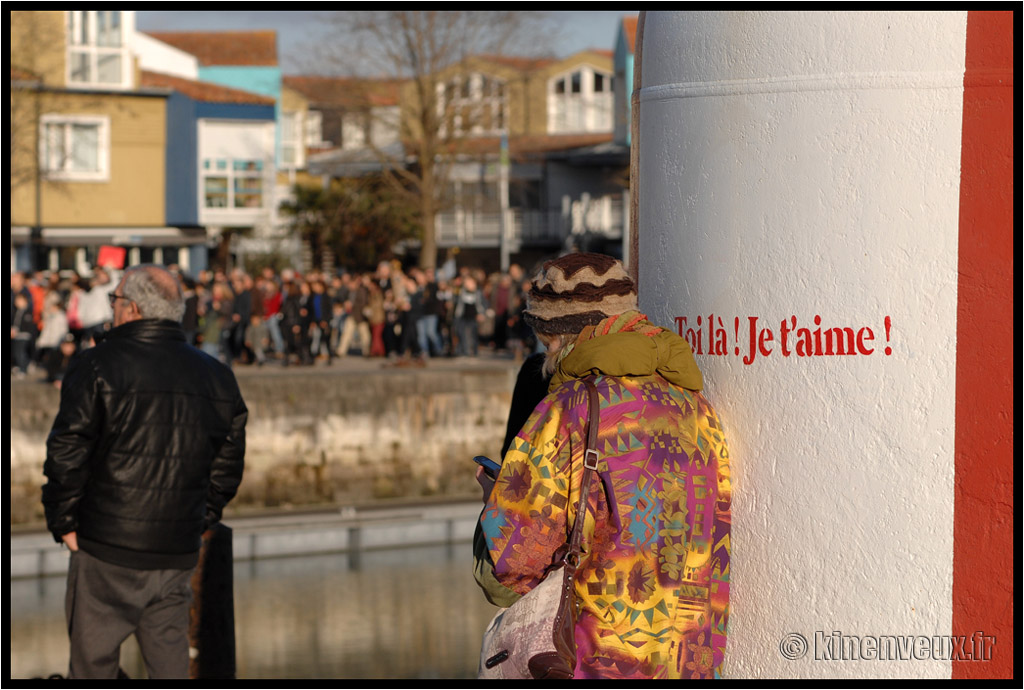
<point>983,532</point>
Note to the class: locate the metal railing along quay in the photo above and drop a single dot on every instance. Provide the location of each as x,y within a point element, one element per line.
<point>347,529</point>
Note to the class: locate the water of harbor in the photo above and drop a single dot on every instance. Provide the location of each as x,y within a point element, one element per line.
<point>407,613</point>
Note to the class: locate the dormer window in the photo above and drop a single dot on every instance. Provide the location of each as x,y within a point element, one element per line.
<point>580,101</point>
<point>98,49</point>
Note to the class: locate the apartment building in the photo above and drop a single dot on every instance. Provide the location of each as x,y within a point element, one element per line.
<point>243,217</point>
<point>531,167</point>
<point>181,146</point>
<point>107,154</point>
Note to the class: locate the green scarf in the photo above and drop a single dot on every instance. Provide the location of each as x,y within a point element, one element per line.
<point>628,345</point>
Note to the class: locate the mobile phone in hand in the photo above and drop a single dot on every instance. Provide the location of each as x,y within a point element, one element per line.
<point>492,468</point>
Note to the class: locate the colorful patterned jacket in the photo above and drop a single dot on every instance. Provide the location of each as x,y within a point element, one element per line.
<point>654,585</point>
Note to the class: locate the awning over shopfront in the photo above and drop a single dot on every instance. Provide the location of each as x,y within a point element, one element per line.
<point>354,162</point>
<point>134,237</point>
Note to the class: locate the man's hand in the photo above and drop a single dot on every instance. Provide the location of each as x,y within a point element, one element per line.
<point>71,539</point>
<point>485,481</point>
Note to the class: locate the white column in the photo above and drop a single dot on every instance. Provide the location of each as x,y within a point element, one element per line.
<point>799,172</point>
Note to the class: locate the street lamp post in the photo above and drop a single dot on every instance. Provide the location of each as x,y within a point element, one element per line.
<point>505,226</point>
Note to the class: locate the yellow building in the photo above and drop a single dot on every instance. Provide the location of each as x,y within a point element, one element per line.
<point>88,147</point>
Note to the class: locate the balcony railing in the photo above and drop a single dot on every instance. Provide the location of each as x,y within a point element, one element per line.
<point>532,228</point>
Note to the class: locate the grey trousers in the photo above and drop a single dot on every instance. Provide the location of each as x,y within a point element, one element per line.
<point>106,603</point>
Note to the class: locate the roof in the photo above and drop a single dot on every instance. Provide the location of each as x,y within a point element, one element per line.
<point>225,48</point>
<point>531,144</point>
<point>348,92</point>
<point>345,91</point>
<point>352,162</point>
<point>546,143</point>
<point>523,64</point>
<point>609,153</point>
<point>202,91</point>
<point>629,29</point>
<point>361,161</point>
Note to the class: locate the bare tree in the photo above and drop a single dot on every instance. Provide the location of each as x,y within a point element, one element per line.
<point>420,47</point>
<point>37,63</point>
<point>31,68</point>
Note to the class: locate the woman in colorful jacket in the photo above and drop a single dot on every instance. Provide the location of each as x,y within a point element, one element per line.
<point>654,583</point>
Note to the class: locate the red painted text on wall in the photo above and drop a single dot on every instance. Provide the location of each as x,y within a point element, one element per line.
<point>751,338</point>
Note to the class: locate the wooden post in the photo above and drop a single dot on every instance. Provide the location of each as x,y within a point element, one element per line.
<point>211,632</point>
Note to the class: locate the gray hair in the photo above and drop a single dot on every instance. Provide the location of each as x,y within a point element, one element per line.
<point>156,292</point>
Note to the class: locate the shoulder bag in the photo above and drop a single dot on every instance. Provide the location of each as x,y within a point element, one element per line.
<point>535,637</point>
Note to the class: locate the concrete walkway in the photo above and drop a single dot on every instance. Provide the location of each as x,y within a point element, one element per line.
<point>353,363</point>
<point>486,360</point>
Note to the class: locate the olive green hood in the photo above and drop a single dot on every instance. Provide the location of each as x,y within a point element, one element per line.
<point>629,345</point>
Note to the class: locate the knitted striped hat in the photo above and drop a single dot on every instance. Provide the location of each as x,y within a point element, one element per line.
<point>578,290</point>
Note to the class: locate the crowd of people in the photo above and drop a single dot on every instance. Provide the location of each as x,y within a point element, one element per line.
<point>148,427</point>
<point>286,317</point>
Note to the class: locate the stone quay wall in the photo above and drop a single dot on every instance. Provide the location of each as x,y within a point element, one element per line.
<point>326,436</point>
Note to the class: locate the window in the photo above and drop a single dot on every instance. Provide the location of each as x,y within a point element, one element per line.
<point>232,183</point>
<point>472,104</point>
<point>291,140</point>
<point>75,148</point>
<point>248,179</point>
<point>474,196</point>
<point>524,194</point>
<point>97,49</point>
<point>355,129</point>
<point>314,129</point>
<point>580,101</point>
<point>215,183</point>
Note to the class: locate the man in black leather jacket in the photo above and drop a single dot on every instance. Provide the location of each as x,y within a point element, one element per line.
<point>144,454</point>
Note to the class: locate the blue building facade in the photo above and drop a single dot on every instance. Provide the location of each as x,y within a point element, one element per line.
<point>183,184</point>
<point>623,59</point>
<point>262,80</point>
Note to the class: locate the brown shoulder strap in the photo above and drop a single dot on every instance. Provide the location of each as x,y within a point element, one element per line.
<point>590,458</point>
<point>563,630</point>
